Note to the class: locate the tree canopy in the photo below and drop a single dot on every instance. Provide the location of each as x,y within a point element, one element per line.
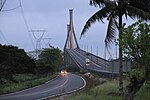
<point>14,61</point>
<point>51,58</point>
<point>136,45</point>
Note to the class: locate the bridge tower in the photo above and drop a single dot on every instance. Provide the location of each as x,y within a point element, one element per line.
<point>71,38</point>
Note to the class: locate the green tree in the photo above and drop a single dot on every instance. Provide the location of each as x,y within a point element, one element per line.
<point>14,61</point>
<point>114,10</point>
<point>136,45</point>
<point>52,58</point>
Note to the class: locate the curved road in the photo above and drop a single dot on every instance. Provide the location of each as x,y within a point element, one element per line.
<point>58,86</point>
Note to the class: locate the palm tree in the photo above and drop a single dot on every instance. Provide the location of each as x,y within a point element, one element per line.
<point>114,10</point>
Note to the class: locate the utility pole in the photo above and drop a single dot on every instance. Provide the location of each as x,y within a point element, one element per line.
<point>116,43</point>
<point>38,40</point>
<point>105,55</point>
<point>87,49</point>
<point>91,52</point>
<point>97,54</point>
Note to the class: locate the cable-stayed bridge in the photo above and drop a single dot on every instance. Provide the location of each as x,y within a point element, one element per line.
<point>96,64</point>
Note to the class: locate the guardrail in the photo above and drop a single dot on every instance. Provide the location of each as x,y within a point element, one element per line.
<point>77,63</point>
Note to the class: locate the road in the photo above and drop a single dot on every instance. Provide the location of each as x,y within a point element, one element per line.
<point>97,65</point>
<point>80,57</point>
<point>58,86</point>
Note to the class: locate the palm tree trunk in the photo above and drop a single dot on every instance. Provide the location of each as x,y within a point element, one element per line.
<point>120,57</point>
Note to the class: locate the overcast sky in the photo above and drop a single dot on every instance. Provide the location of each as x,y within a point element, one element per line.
<point>52,16</point>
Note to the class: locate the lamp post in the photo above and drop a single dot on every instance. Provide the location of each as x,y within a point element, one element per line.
<point>116,43</point>
<point>91,52</point>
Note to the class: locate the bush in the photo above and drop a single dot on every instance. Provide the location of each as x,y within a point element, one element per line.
<point>14,61</point>
<point>23,77</point>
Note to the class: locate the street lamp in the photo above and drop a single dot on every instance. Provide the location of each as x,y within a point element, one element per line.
<point>116,43</point>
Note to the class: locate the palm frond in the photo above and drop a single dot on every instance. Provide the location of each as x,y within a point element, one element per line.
<point>111,31</point>
<point>141,4</point>
<point>102,3</point>
<point>98,16</point>
<point>96,3</point>
<point>135,12</point>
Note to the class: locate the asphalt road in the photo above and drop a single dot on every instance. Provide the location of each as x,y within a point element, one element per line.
<point>58,86</point>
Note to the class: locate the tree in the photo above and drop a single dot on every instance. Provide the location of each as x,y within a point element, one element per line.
<point>114,10</point>
<point>14,61</point>
<point>136,45</point>
<point>51,58</point>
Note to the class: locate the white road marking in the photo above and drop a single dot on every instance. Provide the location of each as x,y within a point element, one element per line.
<point>66,92</point>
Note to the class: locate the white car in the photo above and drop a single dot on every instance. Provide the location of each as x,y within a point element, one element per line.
<point>87,61</point>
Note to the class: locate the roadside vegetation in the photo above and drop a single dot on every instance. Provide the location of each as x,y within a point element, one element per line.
<point>107,91</point>
<point>114,11</point>
<point>19,71</point>
<point>23,81</point>
<point>136,46</point>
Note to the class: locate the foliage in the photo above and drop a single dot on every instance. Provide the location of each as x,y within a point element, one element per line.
<point>23,77</point>
<point>51,59</point>
<point>10,86</point>
<point>114,10</point>
<point>108,91</point>
<point>105,91</point>
<point>14,61</point>
<point>136,45</point>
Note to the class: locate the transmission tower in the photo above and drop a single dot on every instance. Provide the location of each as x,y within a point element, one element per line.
<point>38,39</point>
<point>2,2</point>
<point>46,42</point>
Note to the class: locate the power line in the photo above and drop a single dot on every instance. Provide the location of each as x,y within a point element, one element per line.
<point>26,24</point>
<point>12,8</point>
<point>23,15</point>
<point>2,4</point>
<point>48,41</point>
<point>38,40</point>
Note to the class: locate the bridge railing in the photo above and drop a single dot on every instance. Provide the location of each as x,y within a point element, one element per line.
<point>77,63</point>
<point>96,59</point>
<point>103,73</point>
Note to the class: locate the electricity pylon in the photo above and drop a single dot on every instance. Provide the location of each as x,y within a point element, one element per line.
<point>38,40</point>
<point>2,2</point>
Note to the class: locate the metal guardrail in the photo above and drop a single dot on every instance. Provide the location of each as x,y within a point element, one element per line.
<point>78,64</point>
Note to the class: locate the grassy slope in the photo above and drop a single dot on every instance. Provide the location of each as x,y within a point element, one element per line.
<point>12,87</point>
<point>108,91</point>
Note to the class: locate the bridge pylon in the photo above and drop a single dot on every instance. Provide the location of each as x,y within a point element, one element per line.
<point>71,41</point>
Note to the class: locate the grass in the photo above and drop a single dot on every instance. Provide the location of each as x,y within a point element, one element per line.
<point>100,92</point>
<point>144,93</point>
<point>107,91</point>
<point>10,86</point>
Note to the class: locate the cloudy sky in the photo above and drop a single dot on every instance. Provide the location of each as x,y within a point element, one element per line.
<point>52,16</point>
